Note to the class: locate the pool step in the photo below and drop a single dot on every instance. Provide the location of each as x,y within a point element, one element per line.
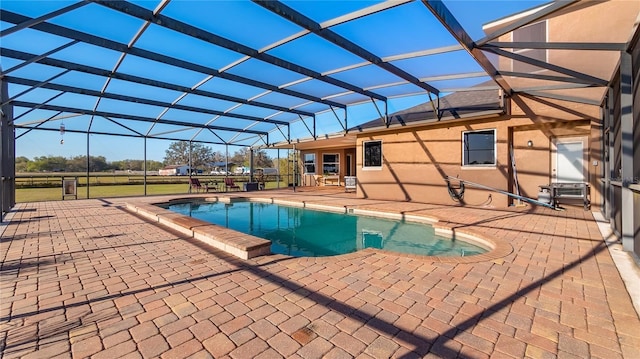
<point>238,244</point>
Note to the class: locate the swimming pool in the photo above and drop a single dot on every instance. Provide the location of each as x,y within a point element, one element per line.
<point>303,232</point>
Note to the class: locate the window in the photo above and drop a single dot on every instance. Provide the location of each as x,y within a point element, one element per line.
<point>372,154</point>
<point>310,163</point>
<point>330,164</point>
<point>479,148</point>
<point>532,33</point>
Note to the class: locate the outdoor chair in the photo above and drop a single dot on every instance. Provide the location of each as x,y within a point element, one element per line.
<point>228,183</point>
<point>213,185</point>
<point>261,181</point>
<point>196,185</point>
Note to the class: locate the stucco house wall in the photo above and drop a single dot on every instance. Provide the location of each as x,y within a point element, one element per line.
<point>310,179</point>
<point>417,160</point>
<point>419,151</point>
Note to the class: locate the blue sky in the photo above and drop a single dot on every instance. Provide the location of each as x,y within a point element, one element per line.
<point>390,36</point>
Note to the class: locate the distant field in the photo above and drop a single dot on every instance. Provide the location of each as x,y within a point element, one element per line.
<point>55,193</point>
<point>48,187</point>
<point>55,179</point>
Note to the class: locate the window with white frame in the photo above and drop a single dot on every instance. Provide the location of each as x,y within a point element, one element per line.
<point>310,163</point>
<point>531,33</point>
<point>372,154</point>
<point>330,164</point>
<point>479,148</point>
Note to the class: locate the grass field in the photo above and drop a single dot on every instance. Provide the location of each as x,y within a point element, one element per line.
<point>55,179</point>
<point>37,194</point>
<point>55,194</point>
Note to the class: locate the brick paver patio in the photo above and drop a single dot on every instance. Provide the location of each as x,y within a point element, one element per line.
<point>88,279</point>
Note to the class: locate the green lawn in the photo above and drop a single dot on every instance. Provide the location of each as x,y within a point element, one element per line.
<point>55,194</point>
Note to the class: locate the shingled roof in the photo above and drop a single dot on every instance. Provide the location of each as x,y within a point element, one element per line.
<point>456,105</point>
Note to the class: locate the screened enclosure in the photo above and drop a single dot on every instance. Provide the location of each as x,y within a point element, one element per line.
<point>99,75</point>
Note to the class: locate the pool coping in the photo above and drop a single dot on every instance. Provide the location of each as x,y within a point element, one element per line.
<point>246,246</point>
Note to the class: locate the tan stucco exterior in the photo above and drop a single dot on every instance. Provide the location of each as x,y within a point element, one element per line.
<point>313,179</point>
<point>584,22</point>
<point>416,161</point>
<point>418,158</point>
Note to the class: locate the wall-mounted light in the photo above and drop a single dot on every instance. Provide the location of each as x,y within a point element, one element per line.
<point>529,143</point>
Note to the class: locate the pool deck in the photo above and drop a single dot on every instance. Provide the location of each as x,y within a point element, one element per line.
<point>88,278</point>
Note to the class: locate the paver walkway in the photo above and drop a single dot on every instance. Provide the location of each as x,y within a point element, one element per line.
<point>88,279</point>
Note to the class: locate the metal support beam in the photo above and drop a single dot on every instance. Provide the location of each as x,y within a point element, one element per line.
<point>35,86</point>
<point>154,56</point>
<point>436,107</point>
<point>180,129</point>
<point>282,133</point>
<point>260,139</point>
<point>238,133</point>
<point>226,163</point>
<point>346,124</point>
<point>121,135</point>
<point>295,168</point>
<point>215,134</point>
<point>7,153</point>
<point>132,117</point>
<point>144,166</point>
<point>548,10</point>
<point>38,125</point>
<point>446,18</point>
<point>562,97</point>
<point>190,166</point>
<point>123,126</point>
<point>384,118</point>
<point>88,154</point>
<point>250,164</point>
<point>137,79</point>
<point>588,46</point>
<point>296,17</point>
<point>198,33</point>
<point>608,154</point>
<point>31,22</point>
<point>65,88</point>
<point>386,5</point>
<point>626,134</point>
<point>36,107</point>
<point>422,53</point>
<point>386,112</point>
<point>344,127</point>
<point>311,132</point>
<point>548,66</point>
<point>40,57</point>
<point>539,76</point>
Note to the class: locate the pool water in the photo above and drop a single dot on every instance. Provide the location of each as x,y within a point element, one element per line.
<point>302,232</point>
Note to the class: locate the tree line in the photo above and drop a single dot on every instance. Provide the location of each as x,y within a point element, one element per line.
<point>202,157</point>
<point>79,164</point>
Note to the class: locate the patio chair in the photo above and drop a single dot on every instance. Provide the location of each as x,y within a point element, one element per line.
<point>261,181</point>
<point>213,185</point>
<point>196,185</point>
<point>228,183</point>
